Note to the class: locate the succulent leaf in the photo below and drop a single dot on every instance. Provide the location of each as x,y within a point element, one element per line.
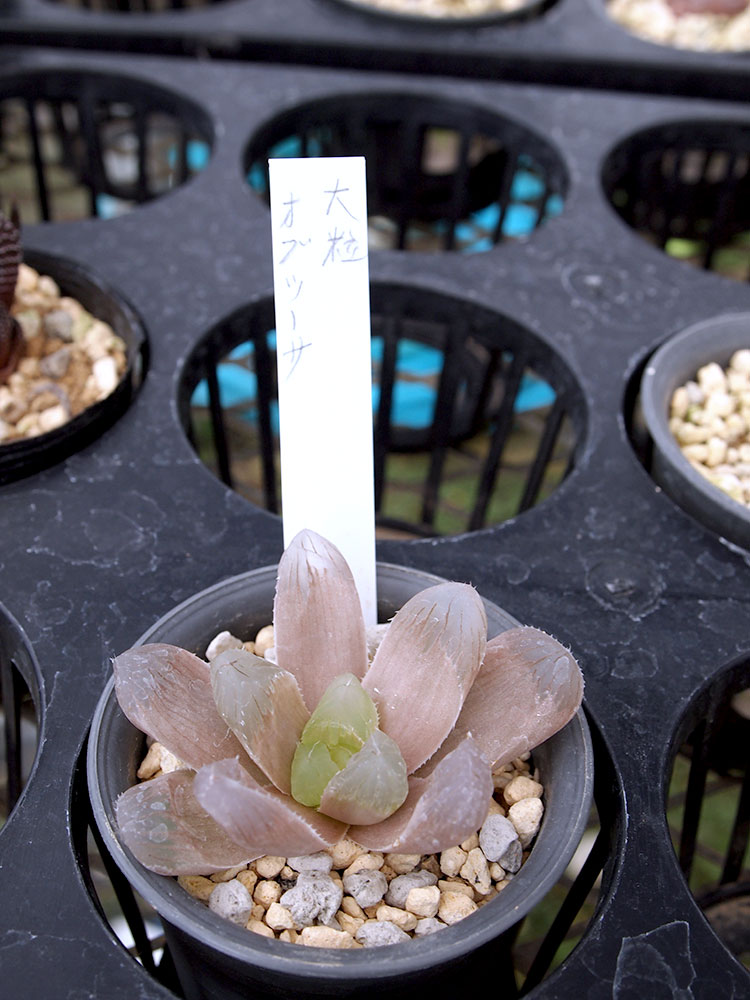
<point>429,658</point>
<point>529,687</point>
<point>344,716</point>
<point>341,723</point>
<point>163,825</point>
<point>166,692</point>
<point>263,706</point>
<point>371,787</point>
<point>318,622</point>
<point>439,811</point>
<point>261,819</point>
<point>313,767</point>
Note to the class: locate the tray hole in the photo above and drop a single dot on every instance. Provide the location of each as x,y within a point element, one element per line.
<point>708,806</point>
<point>685,188</point>
<point>475,419</point>
<point>440,176</point>
<point>76,146</point>
<point>19,719</point>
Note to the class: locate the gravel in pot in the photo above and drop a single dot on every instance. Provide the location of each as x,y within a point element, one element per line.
<point>63,396</point>
<point>675,366</point>
<point>457,12</point>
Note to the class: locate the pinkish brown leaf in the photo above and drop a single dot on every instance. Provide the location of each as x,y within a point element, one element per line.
<point>166,692</point>
<point>529,687</point>
<point>263,706</point>
<point>724,8</point>
<point>318,624</point>
<point>163,825</point>
<point>425,666</point>
<point>262,819</point>
<point>440,811</point>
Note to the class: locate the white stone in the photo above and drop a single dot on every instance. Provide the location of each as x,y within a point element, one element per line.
<point>366,887</point>
<point>740,361</point>
<point>496,836</point>
<point>52,418</point>
<point>369,861</point>
<point>454,906</point>
<point>264,640</point>
<point>452,860</point>
<point>402,863</point>
<point>401,886</point>
<point>376,933</point>
<point>221,642</point>
<point>279,918</point>
<point>232,901</point>
<point>325,937</point>
<point>315,898</point>
<point>105,374</point>
<point>269,865</point>
<point>319,862</point>
<point>55,365</point>
<point>476,872</point>
<point>58,323</point>
<point>522,787</point>
<point>258,927</point>
<point>428,926</point>
<point>526,817</point>
<point>393,914</point>
<point>423,901</point>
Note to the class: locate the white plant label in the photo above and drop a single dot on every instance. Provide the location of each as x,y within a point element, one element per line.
<point>322,298</point>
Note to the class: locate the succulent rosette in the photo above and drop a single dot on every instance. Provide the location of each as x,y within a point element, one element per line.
<point>286,755</point>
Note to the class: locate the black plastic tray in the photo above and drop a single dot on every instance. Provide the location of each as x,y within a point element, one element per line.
<point>99,546</point>
<point>567,42</point>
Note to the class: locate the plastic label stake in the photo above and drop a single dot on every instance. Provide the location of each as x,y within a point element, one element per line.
<point>322,299</point>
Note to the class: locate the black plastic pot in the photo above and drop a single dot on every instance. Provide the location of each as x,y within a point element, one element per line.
<point>31,455</point>
<point>219,960</point>
<point>671,366</point>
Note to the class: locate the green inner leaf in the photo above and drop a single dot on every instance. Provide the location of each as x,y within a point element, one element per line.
<point>312,769</point>
<point>343,721</point>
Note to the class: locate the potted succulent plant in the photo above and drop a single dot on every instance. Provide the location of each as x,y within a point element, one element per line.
<point>392,751</point>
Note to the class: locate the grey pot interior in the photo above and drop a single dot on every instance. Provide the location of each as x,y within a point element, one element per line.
<point>215,958</point>
<point>673,364</point>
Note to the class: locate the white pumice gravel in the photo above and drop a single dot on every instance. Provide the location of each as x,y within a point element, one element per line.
<point>709,417</point>
<point>446,8</point>
<point>349,897</point>
<point>320,862</point>
<point>367,888</point>
<point>70,360</point>
<point>232,901</point>
<point>656,21</point>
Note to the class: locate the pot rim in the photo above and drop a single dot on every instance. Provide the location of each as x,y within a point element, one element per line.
<point>176,907</point>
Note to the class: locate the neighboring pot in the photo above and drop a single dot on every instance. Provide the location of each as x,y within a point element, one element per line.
<point>673,364</point>
<point>216,959</point>
<point>30,455</point>
<point>525,12</point>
